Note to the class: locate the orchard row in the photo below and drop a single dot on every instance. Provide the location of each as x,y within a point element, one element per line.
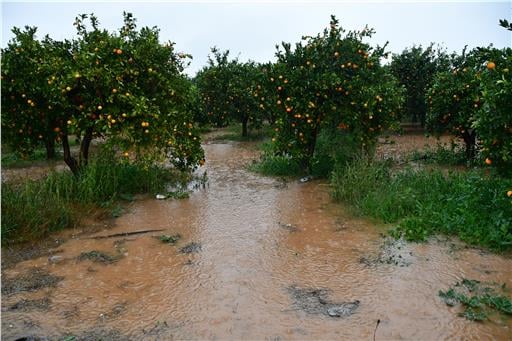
<point>128,88</point>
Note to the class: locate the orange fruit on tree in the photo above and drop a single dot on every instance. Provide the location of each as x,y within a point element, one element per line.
<point>488,161</point>
<point>509,194</point>
<point>491,65</point>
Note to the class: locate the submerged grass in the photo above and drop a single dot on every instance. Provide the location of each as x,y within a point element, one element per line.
<point>479,300</point>
<point>36,207</point>
<point>470,205</point>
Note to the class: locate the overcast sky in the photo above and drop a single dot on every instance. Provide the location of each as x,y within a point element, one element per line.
<point>251,29</point>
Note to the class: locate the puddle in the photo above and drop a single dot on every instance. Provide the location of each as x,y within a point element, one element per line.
<point>245,239</point>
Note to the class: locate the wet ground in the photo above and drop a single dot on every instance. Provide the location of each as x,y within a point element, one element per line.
<point>256,258</point>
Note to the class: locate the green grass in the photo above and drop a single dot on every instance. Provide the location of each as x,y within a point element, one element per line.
<point>34,208</point>
<point>275,165</point>
<point>420,203</point>
<point>16,160</point>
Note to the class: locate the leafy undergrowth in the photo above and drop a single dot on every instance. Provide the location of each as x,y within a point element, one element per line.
<point>34,208</point>
<point>470,205</point>
<point>479,300</point>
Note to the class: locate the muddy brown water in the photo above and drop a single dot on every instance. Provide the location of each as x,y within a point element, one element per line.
<point>259,238</point>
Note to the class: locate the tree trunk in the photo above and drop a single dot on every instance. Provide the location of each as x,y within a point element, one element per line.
<point>50,148</point>
<point>68,158</point>
<point>84,147</point>
<point>469,138</point>
<point>311,149</point>
<point>244,126</point>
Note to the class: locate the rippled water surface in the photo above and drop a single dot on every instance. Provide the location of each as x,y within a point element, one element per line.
<point>257,238</point>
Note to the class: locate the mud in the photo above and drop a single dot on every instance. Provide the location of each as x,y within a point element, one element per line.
<point>32,280</point>
<point>391,251</point>
<point>98,257</point>
<point>236,286</point>
<point>26,305</point>
<point>316,302</point>
<point>399,147</point>
<point>191,248</point>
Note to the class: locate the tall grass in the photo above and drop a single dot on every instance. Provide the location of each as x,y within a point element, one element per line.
<point>271,164</point>
<point>34,208</point>
<point>470,205</point>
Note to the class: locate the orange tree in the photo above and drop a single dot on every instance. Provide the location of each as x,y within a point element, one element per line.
<point>213,83</point>
<point>31,108</point>
<point>332,82</point>
<point>455,97</point>
<point>415,69</point>
<point>493,122</point>
<point>264,92</point>
<point>124,87</point>
<point>229,91</point>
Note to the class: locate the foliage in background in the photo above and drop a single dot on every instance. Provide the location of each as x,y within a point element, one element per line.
<point>229,91</point>
<point>415,69</point>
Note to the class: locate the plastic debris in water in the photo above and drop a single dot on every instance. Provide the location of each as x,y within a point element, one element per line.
<point>306,178</point>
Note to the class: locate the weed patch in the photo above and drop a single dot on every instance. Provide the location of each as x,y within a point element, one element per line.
<point>479,300</point>
<point>34,208</point>
<point>470,205</point>
<point>169,239</point>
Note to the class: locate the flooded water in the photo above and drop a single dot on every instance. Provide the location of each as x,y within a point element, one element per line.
<point>260,243</point>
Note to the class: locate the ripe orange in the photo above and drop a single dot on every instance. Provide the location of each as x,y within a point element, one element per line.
<point>488,161</point>
<point>509,194</point>
<point>491,65</point>
<point>119,51</point>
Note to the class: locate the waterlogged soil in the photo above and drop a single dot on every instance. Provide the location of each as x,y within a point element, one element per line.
<point>256,259</point>
<point>399,147</point>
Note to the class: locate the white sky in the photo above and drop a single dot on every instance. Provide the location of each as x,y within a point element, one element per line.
<point>251,29</point>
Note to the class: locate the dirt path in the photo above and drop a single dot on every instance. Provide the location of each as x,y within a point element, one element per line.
<point>256,258</point>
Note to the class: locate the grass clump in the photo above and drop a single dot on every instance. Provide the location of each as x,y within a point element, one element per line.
<point>470,205</point>
<point>34,208</point>
<point>167,239</point>
<point>272,164</point>
<point>479,299</point>
<point>98,257</point>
